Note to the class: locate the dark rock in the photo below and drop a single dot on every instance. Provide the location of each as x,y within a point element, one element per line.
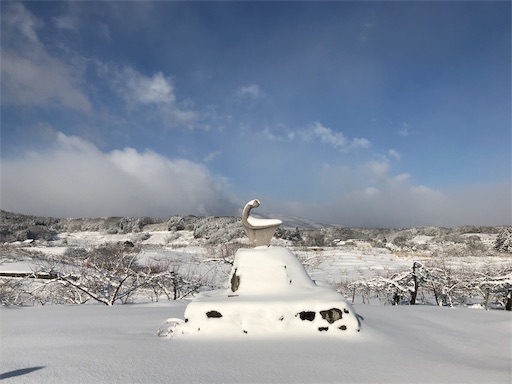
<point>323,329</point>
<point>235,281</point>
<point>331,315</point>
<point>307,315</point>
<point>213,314</point>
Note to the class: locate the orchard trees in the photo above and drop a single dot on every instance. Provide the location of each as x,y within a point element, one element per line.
<point>446,284</point>
<point>106,274</point>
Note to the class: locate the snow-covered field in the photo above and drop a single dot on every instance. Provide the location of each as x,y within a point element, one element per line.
<point>93,343</point>
<point>404,344</point>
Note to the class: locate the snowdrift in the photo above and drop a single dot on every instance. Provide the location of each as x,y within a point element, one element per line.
<point>117,345</point>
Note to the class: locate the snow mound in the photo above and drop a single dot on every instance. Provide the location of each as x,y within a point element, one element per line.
<point>270,293</point>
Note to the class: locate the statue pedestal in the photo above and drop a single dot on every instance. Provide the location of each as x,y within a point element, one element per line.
<point>270,293</point>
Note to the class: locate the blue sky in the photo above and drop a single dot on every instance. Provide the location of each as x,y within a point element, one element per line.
<point>371,114</point>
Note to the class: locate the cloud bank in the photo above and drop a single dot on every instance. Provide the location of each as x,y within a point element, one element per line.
<point>76,179</point>
<point>369,196</point>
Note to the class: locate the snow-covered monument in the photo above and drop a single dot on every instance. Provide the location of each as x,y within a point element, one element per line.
<point>269,293</point>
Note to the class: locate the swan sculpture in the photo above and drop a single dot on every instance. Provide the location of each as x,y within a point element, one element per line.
<point>259,231</point>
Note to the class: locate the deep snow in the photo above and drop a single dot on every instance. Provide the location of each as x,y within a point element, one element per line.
<point>119,344</point>
<point>404,344</point>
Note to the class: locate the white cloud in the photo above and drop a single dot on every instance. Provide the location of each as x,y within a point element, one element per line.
<point>184,116</point>
<point>361,143</point>
<point>326,135</point>
<point>488,204</point>
<point>378,168</point>
<point>29,74</point>
<point>136,88</point>
<point>371,191</point>
<point>74,144</point>
<point>67,23</point>
<point>251,90</point>
<point>104,32</point>
<point>389,205</point>
<point>336,139</point>
<point>39,81</point>
<point>212,156</point>
<point>397,202</point>
<point>367,196</point>
<point>404,131</point>
<point>16,18</point>
<point>278,132</point>
<point>75,179</point>
<point>394,154</point>
<point>141,91</point>
<point>402,177</point>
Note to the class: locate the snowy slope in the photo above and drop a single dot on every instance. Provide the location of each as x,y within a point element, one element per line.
<point>99,344</point>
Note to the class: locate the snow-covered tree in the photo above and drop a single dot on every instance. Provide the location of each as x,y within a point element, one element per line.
<point>503,241</point>
<point>495,283</point>
<point>449,285</point>
<point>105,274</point>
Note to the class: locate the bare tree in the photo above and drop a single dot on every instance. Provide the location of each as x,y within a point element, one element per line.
<point>450,286</point>
<point>105,274</point>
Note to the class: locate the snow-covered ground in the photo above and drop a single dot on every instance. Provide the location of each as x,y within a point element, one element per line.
<point>334,265</point>
<point>404,344</point>
<point>93,343</point>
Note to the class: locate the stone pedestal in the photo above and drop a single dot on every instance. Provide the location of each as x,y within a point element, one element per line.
<point>270,293</point>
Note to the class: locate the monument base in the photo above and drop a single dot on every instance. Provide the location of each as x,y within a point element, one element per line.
<point>270,293</point>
